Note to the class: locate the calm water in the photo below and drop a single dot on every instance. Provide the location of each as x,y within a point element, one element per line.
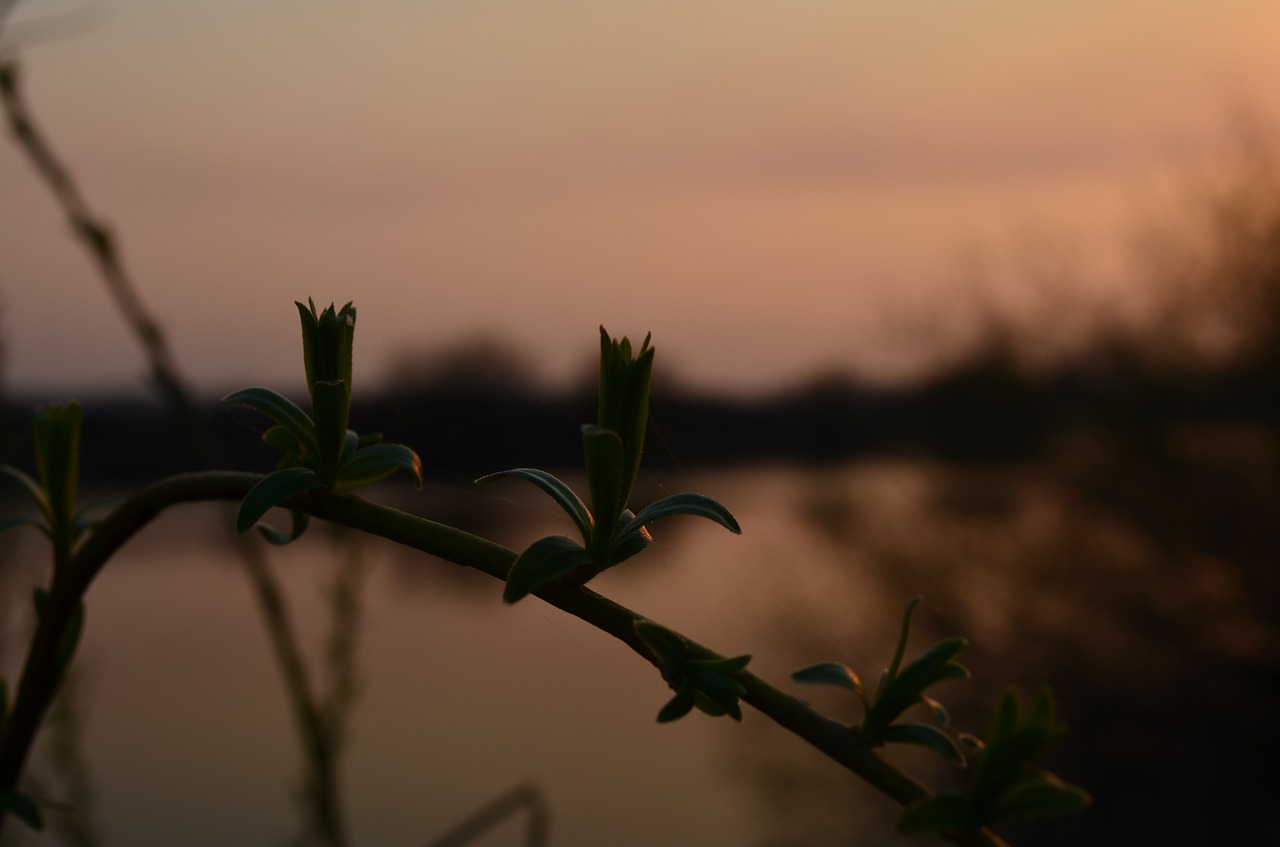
<point>181,733</point>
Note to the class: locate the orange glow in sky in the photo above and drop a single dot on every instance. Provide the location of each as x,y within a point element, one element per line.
<point>768,187</point>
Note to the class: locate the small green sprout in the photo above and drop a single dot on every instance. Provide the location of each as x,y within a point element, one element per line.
<point>899,689</point>
<point>319,450</point>
<point>56,430</point>
<point>709,685</point>
<point>611,533</point>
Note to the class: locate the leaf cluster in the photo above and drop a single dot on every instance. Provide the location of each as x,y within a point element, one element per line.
<point>709,685</point>
<point>899,689</point>
<point>56,433</point>
<point>611,533</point>
<point>1006,784</point>
<point>320,452</point>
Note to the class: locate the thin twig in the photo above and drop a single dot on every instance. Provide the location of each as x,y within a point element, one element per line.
<point>95,236</point>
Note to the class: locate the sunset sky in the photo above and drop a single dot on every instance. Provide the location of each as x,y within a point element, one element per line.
<point>770,188</point>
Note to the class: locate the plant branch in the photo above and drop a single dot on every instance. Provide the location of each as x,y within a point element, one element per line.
<point>439,540</point>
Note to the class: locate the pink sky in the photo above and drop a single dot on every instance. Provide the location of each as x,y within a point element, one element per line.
<point>769,188</point>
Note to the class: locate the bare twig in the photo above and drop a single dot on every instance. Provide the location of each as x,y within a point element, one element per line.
<point>95,236</point>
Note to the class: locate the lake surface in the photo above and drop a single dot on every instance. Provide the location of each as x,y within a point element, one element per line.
<point>180,729</point>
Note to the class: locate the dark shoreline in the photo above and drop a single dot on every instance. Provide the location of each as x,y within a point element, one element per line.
<point>978,412</point>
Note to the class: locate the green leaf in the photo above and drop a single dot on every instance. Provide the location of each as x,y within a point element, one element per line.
<point>900,693</point>
<point>942,813</point>
<point>625,545</point>
<point>22,808</point>
<point>624,403</point>
<point>717,703</point>
<point>326,343</point>
<point>9,523</point>
<point>1005,718</point>
<point>729,665</point>
<point>298,523</point>
<point>830,673</point>
<point>1042,710</point>
<point>940,713</point>
<point>934,665</point>
<point>923,735</point>
<point>543,561</point>
<point>710,707</point>
<point>31,487</point>
<point>350,443</point>
<point>272,490</point>
<point>369,464</point>
<point>1012,745</point>
<point>717,685</point>
<point>283,439</point>
<point>57,448</point>
<point>679,705</point>
<point>602,451</point>
<point>705,684</point>
<point>558,491</point>
<point>280,409</point>
<point>903,634</point>
<point>1036,795</point>
<point>698,505</point>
